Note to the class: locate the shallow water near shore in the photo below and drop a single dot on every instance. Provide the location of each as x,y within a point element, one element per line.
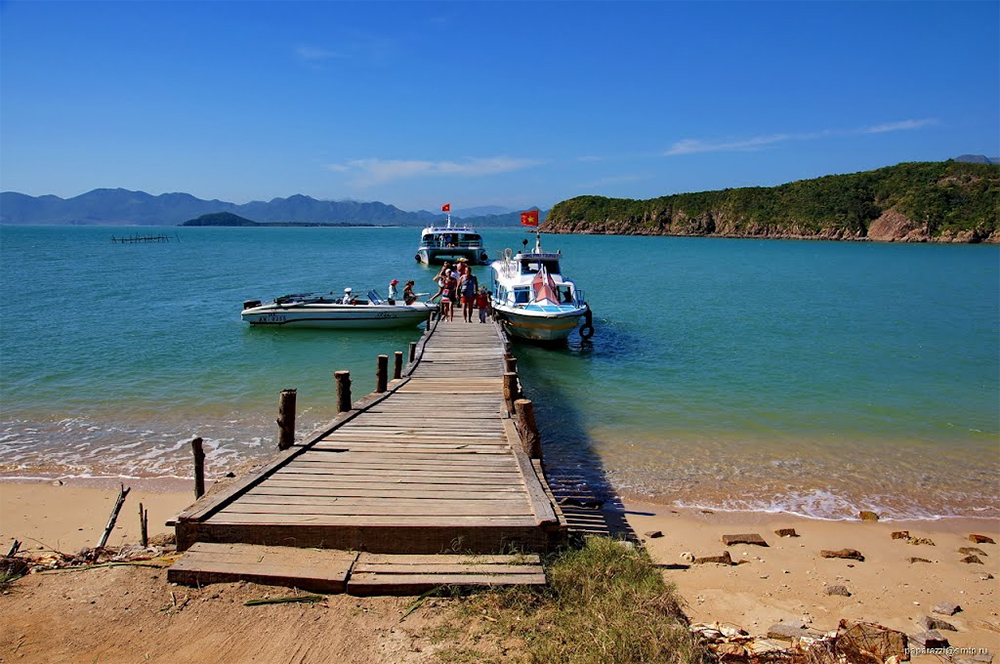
<point>817,378</point>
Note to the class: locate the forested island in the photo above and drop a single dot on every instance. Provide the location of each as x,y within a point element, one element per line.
<point>230,219</point>
<point>946,201</point>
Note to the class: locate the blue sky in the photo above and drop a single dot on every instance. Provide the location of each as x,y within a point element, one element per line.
<point>485,103</point>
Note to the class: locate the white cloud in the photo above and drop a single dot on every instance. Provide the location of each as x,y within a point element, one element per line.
<point>905,125</point>
<point>314,55</point>
<point>377,171</point>
<point>695,145</point>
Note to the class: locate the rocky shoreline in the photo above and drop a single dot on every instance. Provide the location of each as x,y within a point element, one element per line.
<point>891,226</point>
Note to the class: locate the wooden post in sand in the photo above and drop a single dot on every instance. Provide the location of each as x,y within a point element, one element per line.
<point>143,526</point>
<point>114,515</point>
<point>510,391</point>
<point>382,374</point>
<point>529,430</point>
<point>397,365</point>
<point>199,467</point>
<point>343,379</point>
<point>286,419</point>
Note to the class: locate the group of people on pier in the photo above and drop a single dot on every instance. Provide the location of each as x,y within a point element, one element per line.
<point>457,285</point>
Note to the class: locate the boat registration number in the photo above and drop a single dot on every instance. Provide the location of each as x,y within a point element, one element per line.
<point>272,318</point>
<point>385,314</point>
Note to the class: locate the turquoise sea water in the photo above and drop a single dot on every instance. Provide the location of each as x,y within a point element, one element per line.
<point>813,377</point>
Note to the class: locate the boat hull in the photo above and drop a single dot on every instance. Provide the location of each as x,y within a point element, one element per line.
<point>437,256</point>
<point>539,326</point>
<point>339,316</point>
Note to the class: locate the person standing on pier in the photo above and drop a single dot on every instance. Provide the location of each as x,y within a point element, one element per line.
<point>442,280</point>
<point>468,285</point>
<point>483,302</point>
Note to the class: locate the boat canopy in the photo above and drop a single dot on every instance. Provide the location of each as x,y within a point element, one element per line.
<point>533,263</point>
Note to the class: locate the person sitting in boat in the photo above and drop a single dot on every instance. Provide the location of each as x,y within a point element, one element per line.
<point>408,296</point>
<point>392,291</point>
<point>349,296</point>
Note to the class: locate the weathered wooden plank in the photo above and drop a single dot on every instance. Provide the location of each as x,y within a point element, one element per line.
<point>366,585</point>
<point>398,521</point>
<point>364,486</point>
<point>430,508</point>
<point>497,505</point>
<point>401,481</point>
<point>318,571</point>
<point>465,492</point>
<point>540,503</point>
<point>449,559</point>
<point>442,568</point>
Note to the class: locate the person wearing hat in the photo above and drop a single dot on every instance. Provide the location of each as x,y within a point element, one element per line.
<point>392,291</point>
<point>348,296</point>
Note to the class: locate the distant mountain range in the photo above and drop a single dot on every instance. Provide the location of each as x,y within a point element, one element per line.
<point>137,208</point>
<point>978,159</point>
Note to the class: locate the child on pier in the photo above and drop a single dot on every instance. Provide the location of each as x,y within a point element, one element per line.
<point>483,302</point>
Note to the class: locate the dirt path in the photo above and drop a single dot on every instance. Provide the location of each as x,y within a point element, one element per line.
<point>131,614</point>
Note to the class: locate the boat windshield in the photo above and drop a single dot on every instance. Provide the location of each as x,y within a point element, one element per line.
<point>533,265</point>
<point>452,240</point>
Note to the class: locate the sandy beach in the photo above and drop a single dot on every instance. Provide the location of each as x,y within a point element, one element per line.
<point>787,580</point>
<point>784,581</point>
<point>67,516</point>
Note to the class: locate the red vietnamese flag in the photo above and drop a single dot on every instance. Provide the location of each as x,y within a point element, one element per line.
<point>446,207</point>
<point>529,218</point>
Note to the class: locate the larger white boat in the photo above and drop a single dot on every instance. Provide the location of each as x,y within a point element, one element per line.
<point>449,243</point>
<point>328,310</point>
<point>533,300</point>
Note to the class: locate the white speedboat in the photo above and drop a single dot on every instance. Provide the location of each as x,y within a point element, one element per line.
<point>533,300</point>
<point>332,311</point>
<point>449,243</point>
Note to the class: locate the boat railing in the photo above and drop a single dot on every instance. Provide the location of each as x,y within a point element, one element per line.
<point>460,244</point>
<point>578,298</point>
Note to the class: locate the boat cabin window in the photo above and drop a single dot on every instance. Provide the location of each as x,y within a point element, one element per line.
<point>532,266</point>
<point>565,294</point>
<point>522,295</point>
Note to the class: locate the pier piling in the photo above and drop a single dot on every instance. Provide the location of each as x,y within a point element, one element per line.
<point>382,374</point>
<point>529,429</point>
<point>343,379</point>
<point>286,419</point>
<point>199,467</point>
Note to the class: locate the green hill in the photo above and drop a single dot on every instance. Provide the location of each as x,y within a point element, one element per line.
<point>220,219</point>
<point>912,202</point>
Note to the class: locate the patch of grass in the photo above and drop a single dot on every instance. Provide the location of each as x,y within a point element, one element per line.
<point>7,578</point>
<point>605,603</point>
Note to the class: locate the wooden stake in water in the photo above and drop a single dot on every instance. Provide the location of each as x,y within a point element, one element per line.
<point>286,419</point>
<point>343,379</point>
<point>397,365</point>
<point>199,467</point>
<point>382,374</point>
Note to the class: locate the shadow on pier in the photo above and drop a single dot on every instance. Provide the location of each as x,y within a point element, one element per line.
<point>573,469</point>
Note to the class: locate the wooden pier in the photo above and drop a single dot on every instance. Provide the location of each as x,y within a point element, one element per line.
<point>436,465</point>
<point>137,238</point>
